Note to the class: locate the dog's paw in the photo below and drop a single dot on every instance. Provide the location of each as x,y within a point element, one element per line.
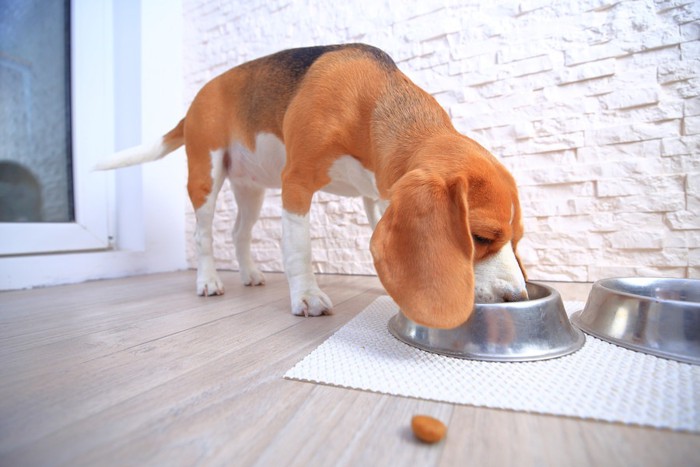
<point>312,303</point>
<point>252,277</point>
<point>210,286</point>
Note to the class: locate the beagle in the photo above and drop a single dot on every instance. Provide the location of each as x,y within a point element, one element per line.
<point>344,119</point>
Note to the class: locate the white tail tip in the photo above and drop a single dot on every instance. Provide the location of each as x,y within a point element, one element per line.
<point>133,156</point>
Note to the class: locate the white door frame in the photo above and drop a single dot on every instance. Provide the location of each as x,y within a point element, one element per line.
<point>131,221</point>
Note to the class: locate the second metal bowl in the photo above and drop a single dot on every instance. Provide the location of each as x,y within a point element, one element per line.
<point>656,316</point>
<point>536,329</point>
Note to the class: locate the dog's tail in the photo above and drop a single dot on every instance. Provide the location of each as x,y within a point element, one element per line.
<point>146,153</point>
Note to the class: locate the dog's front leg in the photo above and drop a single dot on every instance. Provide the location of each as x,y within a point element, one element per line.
<point>307,297</point>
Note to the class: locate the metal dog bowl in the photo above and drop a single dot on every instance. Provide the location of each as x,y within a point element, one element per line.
<point>656,316</point>
<point>537,329</point>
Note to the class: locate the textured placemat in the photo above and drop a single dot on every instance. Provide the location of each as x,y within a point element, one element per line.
<point>601,381</point>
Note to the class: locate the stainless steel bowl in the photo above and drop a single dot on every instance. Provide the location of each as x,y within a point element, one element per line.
<point>656,316</point>
<point>536,329</point>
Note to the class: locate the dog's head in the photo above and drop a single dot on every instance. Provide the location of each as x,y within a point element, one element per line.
<point>446,241</point>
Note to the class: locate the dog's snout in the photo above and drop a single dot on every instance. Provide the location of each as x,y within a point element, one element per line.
<point>499,278</point>
<point>500,292</point>
<point>519,295</point>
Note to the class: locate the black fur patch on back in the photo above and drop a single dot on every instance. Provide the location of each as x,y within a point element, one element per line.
<point>298,61</point>
<point>266,92</point>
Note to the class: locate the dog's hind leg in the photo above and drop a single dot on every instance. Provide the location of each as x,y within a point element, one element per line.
<point>249,199</point>
<point>208,282</point>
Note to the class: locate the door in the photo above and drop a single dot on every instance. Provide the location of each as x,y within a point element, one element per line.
<point>54,90</point>
<point>84,79</point>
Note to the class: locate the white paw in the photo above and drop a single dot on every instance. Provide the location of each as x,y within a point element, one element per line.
<point>252,277</point>
<point>311,303</point>
<point>210,285</point>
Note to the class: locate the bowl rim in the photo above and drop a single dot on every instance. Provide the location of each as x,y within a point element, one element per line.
<point>603,284</point>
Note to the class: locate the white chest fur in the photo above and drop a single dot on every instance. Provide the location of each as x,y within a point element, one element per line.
<point>264,166</point>
<point>349,178</point>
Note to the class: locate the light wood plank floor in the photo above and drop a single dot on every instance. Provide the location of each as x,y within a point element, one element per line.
<point>140,371</point>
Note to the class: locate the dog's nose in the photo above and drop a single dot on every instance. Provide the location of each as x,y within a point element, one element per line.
<point>515,295</point>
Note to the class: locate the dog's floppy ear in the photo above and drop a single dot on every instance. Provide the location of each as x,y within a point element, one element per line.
<point>423,250</point>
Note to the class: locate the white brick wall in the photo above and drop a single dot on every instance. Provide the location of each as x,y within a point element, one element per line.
<point>594,105</point>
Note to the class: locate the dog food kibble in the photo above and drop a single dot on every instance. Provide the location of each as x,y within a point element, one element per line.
<point>428,429</point>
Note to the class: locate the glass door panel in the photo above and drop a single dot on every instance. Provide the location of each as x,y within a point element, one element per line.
<point>35,146</point>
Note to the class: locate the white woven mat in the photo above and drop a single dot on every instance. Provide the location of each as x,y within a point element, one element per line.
<point>601,381</point>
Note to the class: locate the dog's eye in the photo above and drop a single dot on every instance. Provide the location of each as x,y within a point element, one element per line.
<point>482,240</point>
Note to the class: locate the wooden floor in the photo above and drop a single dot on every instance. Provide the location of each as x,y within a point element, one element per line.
<point>140,371</point>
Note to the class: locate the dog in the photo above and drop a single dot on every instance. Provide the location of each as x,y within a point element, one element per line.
<point>344,119</point>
